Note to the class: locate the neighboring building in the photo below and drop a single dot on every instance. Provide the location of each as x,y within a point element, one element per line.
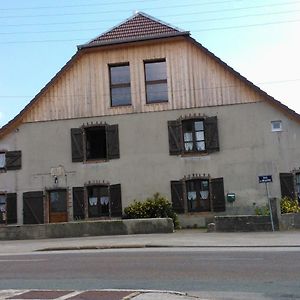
<point>144,108</point>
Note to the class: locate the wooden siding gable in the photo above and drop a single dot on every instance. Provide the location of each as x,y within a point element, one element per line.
<point>196,78</point>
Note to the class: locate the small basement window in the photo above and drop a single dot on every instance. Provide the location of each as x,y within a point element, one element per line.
<point>96,143</point>
<point>276,125</point>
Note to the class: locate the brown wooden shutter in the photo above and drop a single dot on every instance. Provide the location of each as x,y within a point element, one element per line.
<point>13,160</point>
<point>115,200</point>
<point>33,208</point>
<point>112,136</point>
<point>11,208</point>
<point>78,203</point>
<point>177,196</point>
<point>77,144</point>
<point>218,197</point>
<point>211,134</point>
<point>175,137</point>
<point>287,185</point>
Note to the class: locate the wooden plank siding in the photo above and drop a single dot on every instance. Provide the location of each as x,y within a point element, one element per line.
<point>194,80</point>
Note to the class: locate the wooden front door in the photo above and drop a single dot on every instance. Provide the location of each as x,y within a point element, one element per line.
<point>58,206</point>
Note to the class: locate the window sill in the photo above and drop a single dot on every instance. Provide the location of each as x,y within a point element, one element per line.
<point>121,105</point>
<point>194,154</point>
<point>96,161</point>
<point>158,102</point>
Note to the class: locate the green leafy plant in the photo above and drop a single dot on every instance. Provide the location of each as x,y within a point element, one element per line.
<point>288,205</point>
<point>262,210</point>
<point>155,207</point>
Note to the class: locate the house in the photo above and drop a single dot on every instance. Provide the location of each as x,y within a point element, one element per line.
<point>145,108</point>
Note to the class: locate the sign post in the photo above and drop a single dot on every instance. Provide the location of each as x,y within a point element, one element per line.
<point>266,179</point>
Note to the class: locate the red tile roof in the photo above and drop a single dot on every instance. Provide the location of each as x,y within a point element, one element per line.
<point>139,27</point>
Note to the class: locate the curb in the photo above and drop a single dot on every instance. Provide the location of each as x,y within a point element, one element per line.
<point>141,246</point>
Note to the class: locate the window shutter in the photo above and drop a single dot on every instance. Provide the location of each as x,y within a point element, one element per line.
<point>33,208</point>
<point>218,197</point>
<point>175,137</point>
<point>211,134</point>
<point>177,196</point>
<point>115,200</point>
<point>77,144</point>
<point>13,160</point>
<point>112,135</point>
<point>11,208</point>
<point>287,185</point>
<point>78,203</point>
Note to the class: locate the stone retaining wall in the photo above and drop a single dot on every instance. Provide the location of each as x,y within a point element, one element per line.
<point>87,228</point>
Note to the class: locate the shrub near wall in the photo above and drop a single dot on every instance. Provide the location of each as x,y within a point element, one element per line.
<point>155,207</point>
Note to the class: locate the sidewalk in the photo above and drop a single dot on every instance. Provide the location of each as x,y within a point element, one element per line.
<point>181,238</point>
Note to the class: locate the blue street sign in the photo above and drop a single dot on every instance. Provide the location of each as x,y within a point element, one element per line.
<point>265,178</point>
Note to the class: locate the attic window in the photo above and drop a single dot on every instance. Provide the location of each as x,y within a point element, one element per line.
<point>120,93</point>
<point>156,81</point>
<point>276,125</point>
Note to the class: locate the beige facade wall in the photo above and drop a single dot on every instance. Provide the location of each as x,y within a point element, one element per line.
<point>248,148</point>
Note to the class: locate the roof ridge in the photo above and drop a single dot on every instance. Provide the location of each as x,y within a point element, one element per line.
<point>118,32</point>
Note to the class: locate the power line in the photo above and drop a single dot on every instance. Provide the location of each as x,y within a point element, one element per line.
<point>199,30</point>
<point>104,4</point>
<point>188,22</point>
<point>150,8</point>
<point>174,90</point>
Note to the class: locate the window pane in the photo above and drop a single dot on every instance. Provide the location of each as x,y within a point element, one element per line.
<point>120,96</point>
<point>119,74</point>
<point>200,136</point>
<point>2,199</point>
<point>58,201</point>
<point>156,71</point>
<point>204,185</point>
<point>2,160</point>
<point>200,146</point>
<point>188,136</point>
<point>188,146</point>
<point>157,92</point>
<point>298,178</point>
<point>199,125</point>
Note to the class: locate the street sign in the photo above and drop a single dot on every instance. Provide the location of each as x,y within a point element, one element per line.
<point>265,178</point>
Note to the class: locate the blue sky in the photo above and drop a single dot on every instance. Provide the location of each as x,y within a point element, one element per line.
<point>258,38</point>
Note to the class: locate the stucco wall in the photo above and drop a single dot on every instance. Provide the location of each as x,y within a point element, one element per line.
<point>248,148</point>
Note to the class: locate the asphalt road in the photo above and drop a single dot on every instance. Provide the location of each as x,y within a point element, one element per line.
<point>272,272</point>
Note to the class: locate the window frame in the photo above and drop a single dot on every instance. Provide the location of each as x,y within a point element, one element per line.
<point>215,201</point>
<point>3,169</point>
<point>194,140</point>
<point>155,82</point>
<point>197,182</point>
<point>79,142</point>
<point>119,85</point>
<point>3,217</point>
<point>274,129</point>
<point>85,143</point>
<point>210,139</point>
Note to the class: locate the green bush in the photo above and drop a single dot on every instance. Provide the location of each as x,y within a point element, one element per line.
<point>155,207</point>
<point>287,205</point>
<point>262,210</point>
